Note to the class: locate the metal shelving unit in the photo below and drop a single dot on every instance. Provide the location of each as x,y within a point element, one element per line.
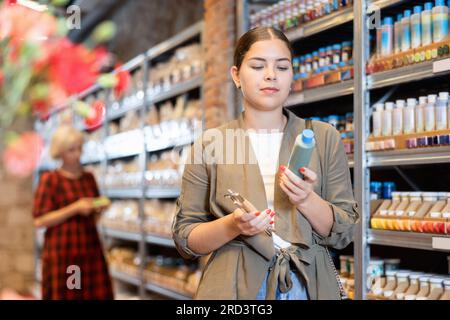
<point>322,93</point>
<point>411,240</point>
<point>142,144</point>
<point>409,157</point>
<point>314,27</point>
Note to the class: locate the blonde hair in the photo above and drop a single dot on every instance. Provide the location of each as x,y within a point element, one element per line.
<point>63,139</point>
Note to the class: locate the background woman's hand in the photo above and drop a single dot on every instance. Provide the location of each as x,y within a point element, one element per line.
<point>250,224</point>
<point>298,190</point>
<point>84,206</point>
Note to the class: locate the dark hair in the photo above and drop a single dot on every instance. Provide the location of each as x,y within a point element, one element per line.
<point>254,35</point>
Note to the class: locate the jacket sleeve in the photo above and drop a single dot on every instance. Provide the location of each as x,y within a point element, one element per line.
<point>338,192</point>
<point>192,207</point>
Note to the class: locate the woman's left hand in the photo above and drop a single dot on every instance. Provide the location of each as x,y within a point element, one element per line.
<point>298,190</point>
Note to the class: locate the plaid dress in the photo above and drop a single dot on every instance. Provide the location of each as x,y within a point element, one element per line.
<point>73,245</point>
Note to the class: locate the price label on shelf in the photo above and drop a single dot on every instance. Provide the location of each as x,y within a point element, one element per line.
<point>441,243</point>
<point>441,66</point>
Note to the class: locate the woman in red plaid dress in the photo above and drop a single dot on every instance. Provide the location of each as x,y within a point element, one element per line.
<point>63,204</point>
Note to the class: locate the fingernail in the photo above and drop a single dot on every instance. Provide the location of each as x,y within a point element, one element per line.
<point>271,222</point>
<point>257,213</point>
<point>268,211</point>
<point>302,170</point>
<point>272,214</point>
<point>282,168</point>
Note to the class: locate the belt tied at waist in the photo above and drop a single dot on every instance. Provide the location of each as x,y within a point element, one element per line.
<point>279,271</point>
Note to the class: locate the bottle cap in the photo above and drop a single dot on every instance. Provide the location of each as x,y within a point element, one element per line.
<point>440,3</point>
<point>407,13</point>
<point>388,21</point>
<point>432,98</point>
<point>329,48</point>
<point>379,107</point>
<point>443,95</point>
<point>412,102</point>
<point>428,6</point>
<point>307,136</point>
<point>400,103</point>
<point>315,53</point>
<point>417,9</point>
<point>322,50</point>
<point>399,17</point>
<point>347,43</point>
<point>389,105</point>
<point>423,100</point>
<point>337,47</point>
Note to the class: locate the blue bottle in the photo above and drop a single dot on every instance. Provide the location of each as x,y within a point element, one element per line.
<point>302,151</point>
<point>388,188</point>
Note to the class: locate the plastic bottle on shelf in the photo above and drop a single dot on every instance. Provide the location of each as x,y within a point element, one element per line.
<point>420,114</point>
<point>337,54</point>
<point>436,288</point>
<point>387,119</point>
<point>430,117</point>
<point>347,51</point>
<point>396,199</point>
<point>441,111</point>
<point>322,57</point>
<point>387,37</point>
<point>329,56</point>
<point>414,286</point>
<point>427,24</point>
<point>409,115</point>
<point>446,295</point>
<point>406,31</point>
<point>315,63</point>
<point>391,283</point>
<point>416,28</point>
<point>336,5</point>
<point>424,287</point>
<point>397,118</point>
<point>398,34</point>
<point>377,119</point>
<point>440,21</point>
<point>402,285</point>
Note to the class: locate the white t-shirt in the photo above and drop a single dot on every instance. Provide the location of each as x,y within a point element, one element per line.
<point>266,147</point>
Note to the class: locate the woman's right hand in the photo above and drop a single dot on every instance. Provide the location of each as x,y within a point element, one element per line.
<point>250,224</point>
<point>84,206</point>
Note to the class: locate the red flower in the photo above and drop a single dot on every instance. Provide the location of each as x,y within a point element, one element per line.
<point>73,66</point>
<point>22,155</point>
<point>96,116</point>
<point>123,83</point>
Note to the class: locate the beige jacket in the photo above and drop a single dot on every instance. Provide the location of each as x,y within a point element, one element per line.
<point>236,270</point>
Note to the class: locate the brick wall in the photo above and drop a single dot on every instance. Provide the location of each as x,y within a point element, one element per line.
<point>16,231</point>
<point>219,40</point>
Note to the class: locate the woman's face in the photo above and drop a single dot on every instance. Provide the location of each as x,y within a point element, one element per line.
<point>72,155</point>
<point>265,76</point>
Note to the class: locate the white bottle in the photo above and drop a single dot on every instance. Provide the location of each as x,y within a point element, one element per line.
<point>408,116</point>
<point>427,24</point>
<point>387,119</point>
<point>377,119</point>
<point>398,34</point>
<point>406,31</point>
<point>440,21</point>
<point>397,118</point>
<point>430,118</point>
<point>420,114</point>
<point>416,28</point>
<point>441,111</point>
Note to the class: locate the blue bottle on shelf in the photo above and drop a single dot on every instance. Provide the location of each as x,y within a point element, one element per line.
<point>388,188</point>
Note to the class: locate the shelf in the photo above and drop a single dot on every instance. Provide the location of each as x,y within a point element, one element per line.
<point>175,41</point>
<point>321,93</point>
<point>129,104</point>
<point>166,292</point>
<point>409,157</point>
<point>158,144</point>
<point>176,90</point>
<point>411,73</point>
<point>134,63</point>
<point>125,144</point>
<point>124,277</point>
<point>381,4</point>
<point>412,240</point>
<point>162,193</point>
<point>159,240</point>
<point>120,234</point>
<point>324,23</point>
<point>123,193</point>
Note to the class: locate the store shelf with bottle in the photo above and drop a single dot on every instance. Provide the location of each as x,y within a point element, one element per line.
<point>410,43</point>
<point>394,275</point>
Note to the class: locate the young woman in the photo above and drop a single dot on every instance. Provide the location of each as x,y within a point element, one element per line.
<point>313,213</point>
<point>63,204</point>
